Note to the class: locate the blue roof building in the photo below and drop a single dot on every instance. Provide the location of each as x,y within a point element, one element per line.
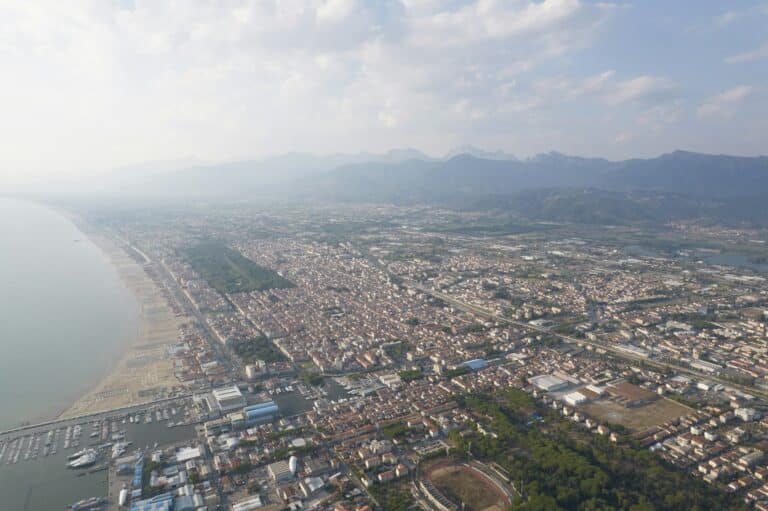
<point>162,502</point>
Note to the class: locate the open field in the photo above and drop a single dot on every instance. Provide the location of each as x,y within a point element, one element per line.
<point>637,418</point>
<point>228,271</point>
<point>462,483</point>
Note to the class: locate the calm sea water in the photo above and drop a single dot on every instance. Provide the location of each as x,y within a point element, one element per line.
<point>65,315</point>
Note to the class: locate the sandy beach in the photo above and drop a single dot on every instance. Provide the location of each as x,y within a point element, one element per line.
<point>144,371</point>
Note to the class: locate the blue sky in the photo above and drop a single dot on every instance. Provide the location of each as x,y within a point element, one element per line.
<point>100,84</point>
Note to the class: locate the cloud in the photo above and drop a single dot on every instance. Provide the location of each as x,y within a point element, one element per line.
<point>563,88</point>
<point>758,53</point>
<point>728,17</point>
<point>491,20</point>
<point>223,81</point>
<point>724,104</point>
<point>594,83</point>
<point>96,84</point>
<point>604,85</point>
<point>335,11</point>
<point>641,88</point>
<point>660,116</point>
<point>731,16</point>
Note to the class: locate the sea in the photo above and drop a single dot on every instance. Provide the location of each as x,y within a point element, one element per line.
<point>65,318</point>
<point>65,315</point>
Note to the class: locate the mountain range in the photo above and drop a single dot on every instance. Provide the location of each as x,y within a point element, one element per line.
<point>675,185</point>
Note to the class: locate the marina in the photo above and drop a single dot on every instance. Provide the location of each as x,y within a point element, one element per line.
<point>62,466</point>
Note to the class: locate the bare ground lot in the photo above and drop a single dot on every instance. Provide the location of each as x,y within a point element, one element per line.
<point>637,418</point>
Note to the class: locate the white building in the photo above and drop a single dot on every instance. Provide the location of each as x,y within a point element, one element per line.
<point>391,380</point>
<point>280,471</point>
<point>747,414</point>
<point>253,371</point>
<point>248,504</point>
<point>310,485</point>
<point>229,398</point>
<point>575,398</point>
<point>548,382</point>
<point>703,365</point>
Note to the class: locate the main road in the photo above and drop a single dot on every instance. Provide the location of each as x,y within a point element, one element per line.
<point>484,313</point>
<point>182,297</point>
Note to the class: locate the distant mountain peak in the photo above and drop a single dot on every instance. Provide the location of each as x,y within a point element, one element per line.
<point>551,155</point>
<point>405,153</point>
<point>464,157</point>
<point>680,153</point>
<point>478,153</point>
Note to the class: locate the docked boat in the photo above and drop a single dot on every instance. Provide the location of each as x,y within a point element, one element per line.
<point>119,449</point>
<point>90,504</point>
<point>77,454</point>
<point>86,460</point>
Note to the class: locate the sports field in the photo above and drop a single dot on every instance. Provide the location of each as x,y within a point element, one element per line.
<point>462,483</point>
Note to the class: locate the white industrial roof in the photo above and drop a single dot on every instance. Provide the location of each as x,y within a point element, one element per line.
<point>547,381</point>
<point>248,504</point>
<point>227,393</point>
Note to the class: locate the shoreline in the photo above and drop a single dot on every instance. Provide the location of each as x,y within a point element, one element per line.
<point>143,371</point>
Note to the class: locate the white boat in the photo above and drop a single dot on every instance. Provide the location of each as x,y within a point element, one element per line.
<point>119,449</point>
<point>90,504</point>
<point>77,454</point>
<point>86,460</point>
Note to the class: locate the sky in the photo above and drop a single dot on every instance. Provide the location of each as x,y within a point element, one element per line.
<point>94,85</point>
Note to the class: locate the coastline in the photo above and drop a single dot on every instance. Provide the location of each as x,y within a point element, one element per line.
<point>143,371</point>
